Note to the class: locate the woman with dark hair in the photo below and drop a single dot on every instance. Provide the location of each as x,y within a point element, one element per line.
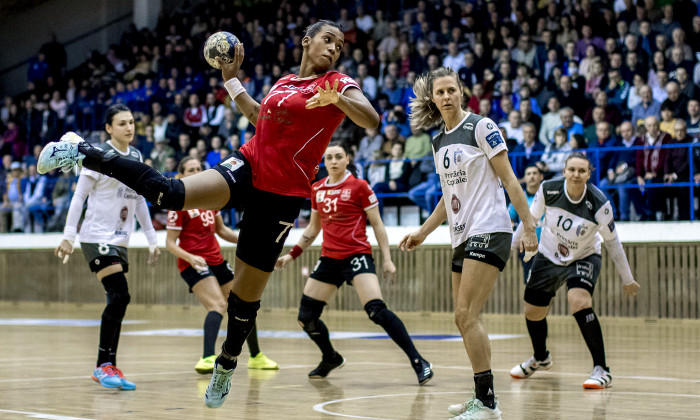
<point>269,177</point>
<point>104,237</point>
<point>341,205</point>
<point>472,160</point>
<point>575,212</point>
<point>191,238</point>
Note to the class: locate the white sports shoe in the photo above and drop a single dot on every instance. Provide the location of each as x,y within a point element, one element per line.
<point>62,154</point>
<point>600,379</point>
<point>219,386</point>
<point>530,366</point>
<point>474,409</point>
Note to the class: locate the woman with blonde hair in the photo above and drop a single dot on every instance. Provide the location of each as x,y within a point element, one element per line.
<point>472,161</point>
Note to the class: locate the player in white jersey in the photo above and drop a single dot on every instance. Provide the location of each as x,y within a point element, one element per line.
<point>471,159</point>
<point>575,212</point>
<point>104,237</point>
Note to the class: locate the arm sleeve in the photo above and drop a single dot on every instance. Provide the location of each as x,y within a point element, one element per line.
<point>86,183</point>
<point>606,228</point>
<point>144,218</point>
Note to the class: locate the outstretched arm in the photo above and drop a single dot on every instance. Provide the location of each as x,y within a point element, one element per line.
<point>412,240</point>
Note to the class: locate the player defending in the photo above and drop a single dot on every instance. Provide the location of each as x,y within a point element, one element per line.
<point>569,252</point>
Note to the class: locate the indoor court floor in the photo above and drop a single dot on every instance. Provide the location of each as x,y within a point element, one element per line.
<point>48,351</point>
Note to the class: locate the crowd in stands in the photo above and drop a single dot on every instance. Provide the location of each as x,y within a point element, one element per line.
<point>556,76</point>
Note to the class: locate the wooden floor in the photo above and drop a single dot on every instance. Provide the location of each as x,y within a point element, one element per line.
<point>47,353</point>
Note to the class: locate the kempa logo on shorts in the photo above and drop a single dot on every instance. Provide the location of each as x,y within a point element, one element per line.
<point>586,282</point>
<point>476,254</point>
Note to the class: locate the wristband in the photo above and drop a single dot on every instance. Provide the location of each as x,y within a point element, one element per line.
<point>295,252</point>
<point>234,87</point>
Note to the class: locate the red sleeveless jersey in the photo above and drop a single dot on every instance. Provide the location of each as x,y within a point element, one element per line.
<point>289,139</point>
<point>342,209</point>
<point>197,228</point>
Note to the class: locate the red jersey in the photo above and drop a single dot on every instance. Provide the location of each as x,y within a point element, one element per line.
<point>342,209</point>
<point>289,139</point>
<point>197,228</point>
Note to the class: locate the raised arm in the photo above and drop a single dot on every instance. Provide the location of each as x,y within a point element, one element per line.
<point>248,106</point>
<point>307,238</point>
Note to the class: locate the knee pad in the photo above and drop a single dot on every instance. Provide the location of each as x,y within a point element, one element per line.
<point>241,314</point>
<point>310,311</point>
<point>118,296</point>
<point>168,193</point>
<point>377,311</point>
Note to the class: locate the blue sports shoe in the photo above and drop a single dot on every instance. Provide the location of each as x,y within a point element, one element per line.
<point>219,386</point>
<point>107,376</point>
<point>125,385</point>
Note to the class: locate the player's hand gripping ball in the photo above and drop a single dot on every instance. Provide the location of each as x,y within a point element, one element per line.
<point>220,44</point>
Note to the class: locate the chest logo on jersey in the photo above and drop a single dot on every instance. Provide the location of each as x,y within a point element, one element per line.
<point>563,250</point>
<point>456,204</point>
<point>124,213</point>
<point>458,157</point>
<point>332,192</point>
<point>134,154</point>
<point>232,163</point>
<point>469,126</point>
<point>305,89</point>
<point>590,205</point>
<point>193,213</point>
<point>346,194</point>
<point>320,195</point>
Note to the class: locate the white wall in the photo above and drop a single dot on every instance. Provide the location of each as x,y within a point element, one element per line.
<point>22,35</point>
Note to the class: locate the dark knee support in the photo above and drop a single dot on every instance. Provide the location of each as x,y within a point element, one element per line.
<point>165,192</point>
<point>377,311</point>
<point>117,296</point>
<point>310,311</point>
<point>241,320</point>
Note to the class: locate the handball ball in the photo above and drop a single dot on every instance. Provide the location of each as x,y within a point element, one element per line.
<point>220,44</point>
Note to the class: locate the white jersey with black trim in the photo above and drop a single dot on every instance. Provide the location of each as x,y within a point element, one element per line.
<point>111,206</point>
<point>474,198</point>
<point>570,228</point>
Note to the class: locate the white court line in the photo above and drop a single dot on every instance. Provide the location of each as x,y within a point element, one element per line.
<point>43,415</point>
<point>320,407</point>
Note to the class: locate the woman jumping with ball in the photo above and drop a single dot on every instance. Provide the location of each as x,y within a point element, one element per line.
<point>269,177</point>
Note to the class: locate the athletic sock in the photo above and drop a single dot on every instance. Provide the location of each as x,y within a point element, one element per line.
<point>241,319</point>
<point>538,335</point>
<point>252,341</point>
<point>212,323</point>
<point>397,331</point>
<point>322,339</point>
<point>109,328</point>
<point>593,335</point>
<point>484,388</point>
